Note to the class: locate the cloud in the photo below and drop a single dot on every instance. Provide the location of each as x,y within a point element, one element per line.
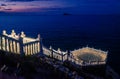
<point>26,6</point>
<point>3,5</point>
<point>71,6</point>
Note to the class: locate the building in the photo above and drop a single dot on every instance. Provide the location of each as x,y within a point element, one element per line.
<point>19,44</point>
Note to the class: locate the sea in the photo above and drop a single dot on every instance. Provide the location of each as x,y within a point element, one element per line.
<point>70,32</point>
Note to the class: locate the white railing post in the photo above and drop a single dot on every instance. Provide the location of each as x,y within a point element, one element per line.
<point>51,51</point>
<point>31,49</point>
<point>21,46</point>
<point>5,44</point>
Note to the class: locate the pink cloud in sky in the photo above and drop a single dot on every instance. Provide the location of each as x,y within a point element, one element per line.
<point>70,6</point>
<point>32,6</point>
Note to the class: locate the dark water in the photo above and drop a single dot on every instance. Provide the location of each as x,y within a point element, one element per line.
<point>70,32</point>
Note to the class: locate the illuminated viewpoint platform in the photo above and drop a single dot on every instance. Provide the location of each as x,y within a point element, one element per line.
<point>20,44</point>
<point>90,56</point>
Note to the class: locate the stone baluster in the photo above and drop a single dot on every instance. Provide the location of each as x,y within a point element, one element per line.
<point>35,48</point>
<point>26,53</point>
<point>51,51</point>
<point>7,45</point>
<point>21,45</point>
<point>24,50</point>
<point>18,48</point>
<point>2,47</point>
<point>31,49</point>
<point>14,47</point>
<point>38,47</point>
<point>28,50</point>
<point>62,56</point>
<point>3,43</point>
<point>11,46</point>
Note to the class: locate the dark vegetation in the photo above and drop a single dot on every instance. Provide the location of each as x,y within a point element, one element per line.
<point>29,67</point>
<point>87,71</point>
<point>36,67</point>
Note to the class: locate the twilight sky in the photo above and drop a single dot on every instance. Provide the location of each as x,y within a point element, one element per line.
<point>61,6</point>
